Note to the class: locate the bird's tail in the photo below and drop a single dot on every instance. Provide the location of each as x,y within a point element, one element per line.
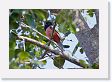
<point>61,46</point>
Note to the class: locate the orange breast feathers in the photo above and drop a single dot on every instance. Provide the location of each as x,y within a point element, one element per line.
<point>56,36</point>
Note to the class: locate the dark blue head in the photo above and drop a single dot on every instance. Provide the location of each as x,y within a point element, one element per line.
<point>47,24</point>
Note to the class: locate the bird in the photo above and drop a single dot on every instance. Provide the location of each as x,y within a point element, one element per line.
<point>48,27</point>
<point>56,36</point>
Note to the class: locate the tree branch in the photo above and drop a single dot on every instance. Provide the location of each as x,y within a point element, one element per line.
<point>79,20</point>
<point>39,44</point>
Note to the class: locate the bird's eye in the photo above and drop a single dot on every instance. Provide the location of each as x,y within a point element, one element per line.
<point>51,27</point>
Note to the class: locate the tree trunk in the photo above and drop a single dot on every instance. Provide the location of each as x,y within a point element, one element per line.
<point>88,38</point>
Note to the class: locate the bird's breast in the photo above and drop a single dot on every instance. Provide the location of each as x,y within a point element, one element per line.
<point>48,32</point>
<point>56,37</point>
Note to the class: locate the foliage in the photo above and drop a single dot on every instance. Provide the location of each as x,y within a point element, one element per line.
<point>59,61</point>
<point>65,22</point>
<point>95,66</point>
<point>24,55</point>
<point>83,63</point>
<point>34,19</point>
<point>90,12</point>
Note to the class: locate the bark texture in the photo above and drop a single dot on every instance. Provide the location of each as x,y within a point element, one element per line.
<point>88,38</point>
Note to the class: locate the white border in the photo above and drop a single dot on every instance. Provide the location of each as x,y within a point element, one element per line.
<point>5,72</point>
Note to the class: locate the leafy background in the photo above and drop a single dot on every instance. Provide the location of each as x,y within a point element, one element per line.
<point>24,55</point>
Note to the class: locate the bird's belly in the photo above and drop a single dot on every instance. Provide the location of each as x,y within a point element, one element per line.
<point>48,33</point>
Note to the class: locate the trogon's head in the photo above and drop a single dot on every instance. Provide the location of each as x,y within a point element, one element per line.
<point>47,24</point>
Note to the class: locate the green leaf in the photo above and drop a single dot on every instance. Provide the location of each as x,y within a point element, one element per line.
<point>13,65</point>
<point>28,66</point>
<point>43,42</point>
<point>44,62</point>
<point>73,29</point>
<point>62,27</point>
<point>38,53</point>
<point>44,39</point>
<point>59,61</point>
<point>82,62</point>
<point>95,66</point>
<point>41,14</point>
<point>24,56</point>
<point>19,11</point>
<point>41,62</point>
<point>78,44</point>
<point>60,19</point>
<point>81,51</point>
<point>90,12</point>
<point>13,18</point>
<point>17,51</point>
<point>12,45</point>
<point>17,60</point>
<point>11,53</point>
<point>30,20</point>
<point>29,47</point>
<point>64,19</point>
